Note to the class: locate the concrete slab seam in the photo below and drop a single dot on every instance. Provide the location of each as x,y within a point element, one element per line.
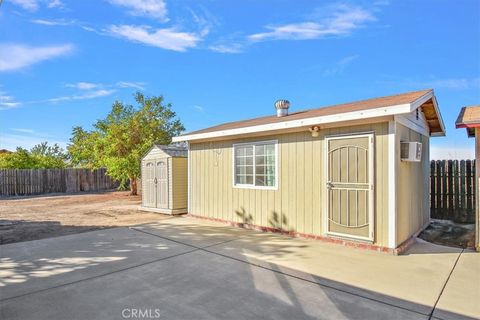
<point>280,272</point>
<point>445,285</point>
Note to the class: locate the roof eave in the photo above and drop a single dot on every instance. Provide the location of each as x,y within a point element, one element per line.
<point>277,126</point>
<point>347,116</point>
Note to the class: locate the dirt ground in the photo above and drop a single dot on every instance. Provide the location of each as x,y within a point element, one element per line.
<point>32,218</point>
<point>449,233</point>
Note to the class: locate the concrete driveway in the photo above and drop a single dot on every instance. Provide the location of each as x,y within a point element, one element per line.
<point>184,268</point>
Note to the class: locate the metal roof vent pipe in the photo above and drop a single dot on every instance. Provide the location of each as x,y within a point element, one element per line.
<point>282,107</point>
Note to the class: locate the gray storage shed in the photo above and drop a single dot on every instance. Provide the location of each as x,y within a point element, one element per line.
<point>164,179</point>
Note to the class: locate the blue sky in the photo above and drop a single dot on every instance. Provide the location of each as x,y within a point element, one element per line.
<point>63,63</point>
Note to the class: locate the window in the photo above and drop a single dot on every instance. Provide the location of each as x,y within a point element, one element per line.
<point>255,164</point>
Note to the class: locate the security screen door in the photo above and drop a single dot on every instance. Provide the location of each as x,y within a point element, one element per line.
<point>161,180</point>
<point>350,186</point>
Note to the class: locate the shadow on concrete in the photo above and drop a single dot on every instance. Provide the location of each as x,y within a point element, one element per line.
<point>209,284</point>
<point>12,231</point>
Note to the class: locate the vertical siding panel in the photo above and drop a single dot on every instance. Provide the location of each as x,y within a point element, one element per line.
<point>206,187</point>
<point>197,173</point>
<point>220,178</point>
<point>212,184</point>
<point>192,179</point>
<point>228,174</point>
<point>317,176</point>
<point>193,176</point>
<point>215,183</point>
<point>203,178</point>
<point>257,212</point>
<point>292,194</point>
<point>300,182</point>
<point>222,186</point>
<point>204,168</point>
<point>271,210</point>
<point>277,199</point>
<point>226,185</point>
<point>308,186</point>
<point>383,192</point>
<point>200,180</point>
<point>285,182</point>
<point>242,205</point>
<point>252,210</point>
<point>378,179</point>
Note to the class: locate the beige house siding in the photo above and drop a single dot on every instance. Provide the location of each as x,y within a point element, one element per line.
<point>298,204</point>
<point>179,189</point>
<point>412,190</point>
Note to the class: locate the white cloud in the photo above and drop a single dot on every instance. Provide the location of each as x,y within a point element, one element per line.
<point>452,83</point>
<point>341,20</point>
<point>7,102</point>
<point>169,39</point>
<point>149,8</point>
<point>23,130</point>
<point>18,56</point>
<point>33,5</point>
<point>88,95</point>
<point>135,85</point>
<point>203,21</point>
<point>83,85</point>
<point>199,108</point>
<point>90,29</point>
<point>54,22</point>
<point>340,66</point>
<point>230,48</point>
<point>30,5</point>
<point>55,4</point>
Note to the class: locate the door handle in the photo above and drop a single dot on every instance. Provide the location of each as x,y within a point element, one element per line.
<point>329,185</point>
<point>155,180</point>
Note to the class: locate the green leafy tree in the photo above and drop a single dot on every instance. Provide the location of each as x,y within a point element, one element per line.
<point>41,156</point>
<point>120,140</point>
<point>49,156</point>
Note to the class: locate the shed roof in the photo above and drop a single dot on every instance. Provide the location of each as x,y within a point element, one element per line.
<point>173,150</point>
<point>469,118</point>
<point>364,109</point>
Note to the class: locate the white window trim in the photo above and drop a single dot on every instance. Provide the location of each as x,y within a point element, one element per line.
<point>253,186</point>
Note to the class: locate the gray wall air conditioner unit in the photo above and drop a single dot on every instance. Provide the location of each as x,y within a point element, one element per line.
<point>411,151</point>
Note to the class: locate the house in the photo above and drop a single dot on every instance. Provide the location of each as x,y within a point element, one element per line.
<point>164,179</point>
<point>469,118</point>
<point>334,173</point>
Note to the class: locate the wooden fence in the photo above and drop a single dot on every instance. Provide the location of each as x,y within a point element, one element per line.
<point>16,182</point>
<point>452,190</point>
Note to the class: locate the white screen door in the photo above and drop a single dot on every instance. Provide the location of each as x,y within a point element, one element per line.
<point>350,186</point>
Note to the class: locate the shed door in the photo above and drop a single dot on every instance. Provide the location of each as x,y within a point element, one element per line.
<point>161,177</point>
<point>149,175</point>
<point>350,186</point>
